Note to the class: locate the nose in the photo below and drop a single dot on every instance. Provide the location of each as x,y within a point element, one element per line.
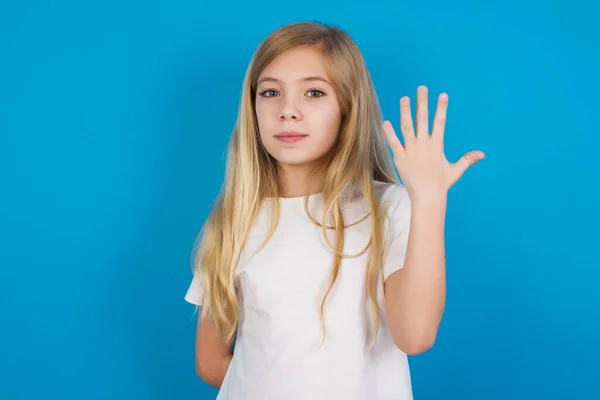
<point>289,110</point>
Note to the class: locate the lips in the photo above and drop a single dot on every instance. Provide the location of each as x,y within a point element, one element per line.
<point>290,137</point>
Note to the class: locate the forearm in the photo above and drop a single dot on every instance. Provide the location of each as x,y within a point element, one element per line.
<point>215,374</point>
<point>417,295</point>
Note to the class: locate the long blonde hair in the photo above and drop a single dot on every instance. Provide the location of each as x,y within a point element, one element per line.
<point>359,156</point>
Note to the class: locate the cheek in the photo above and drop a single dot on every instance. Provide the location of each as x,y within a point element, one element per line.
<point>328,122</point>
<point>263,118</point>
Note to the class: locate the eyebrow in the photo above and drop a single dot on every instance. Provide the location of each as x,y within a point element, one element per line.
<point>306,79</point>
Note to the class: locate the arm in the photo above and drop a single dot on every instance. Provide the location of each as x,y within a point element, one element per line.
<point>212,354</point>
<point>415,295</point>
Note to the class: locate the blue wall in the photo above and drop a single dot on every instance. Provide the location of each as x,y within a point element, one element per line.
<point>114,118</point>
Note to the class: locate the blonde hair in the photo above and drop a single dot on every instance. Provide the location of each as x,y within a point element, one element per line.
<point>359,157</point>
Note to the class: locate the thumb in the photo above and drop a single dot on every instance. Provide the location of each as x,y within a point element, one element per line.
<point>463,164</point>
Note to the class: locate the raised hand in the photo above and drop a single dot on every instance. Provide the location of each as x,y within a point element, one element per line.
<point>420,161</point>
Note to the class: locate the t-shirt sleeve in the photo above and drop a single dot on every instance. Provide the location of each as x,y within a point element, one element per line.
<point>399,215</point>
<point>195,290</point>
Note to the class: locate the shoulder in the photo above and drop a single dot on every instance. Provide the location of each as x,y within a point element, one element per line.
<point>395,204</point>
<point>391,194</point>
<point>392,199</point>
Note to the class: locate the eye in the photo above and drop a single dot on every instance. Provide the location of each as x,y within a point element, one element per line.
<point>316,93</point>
<point>268,93</point>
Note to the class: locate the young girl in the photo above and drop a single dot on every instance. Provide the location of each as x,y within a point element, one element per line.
<point>325,269</point>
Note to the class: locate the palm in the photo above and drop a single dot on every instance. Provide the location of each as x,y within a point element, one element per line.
<point>421,162</point>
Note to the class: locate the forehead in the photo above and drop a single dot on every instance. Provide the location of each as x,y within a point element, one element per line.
<point>296,64</point>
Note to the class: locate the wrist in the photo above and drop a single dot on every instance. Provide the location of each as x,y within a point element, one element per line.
<point>430,203</point>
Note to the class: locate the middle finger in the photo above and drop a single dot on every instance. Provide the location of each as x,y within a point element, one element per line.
<point>422,112</point>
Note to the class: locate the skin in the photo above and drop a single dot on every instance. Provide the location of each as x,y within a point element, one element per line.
<point>213,355</point>
<point>415,295</point>
<point>294,93</point>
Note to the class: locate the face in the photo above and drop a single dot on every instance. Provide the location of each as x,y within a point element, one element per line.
<point>297,109</point>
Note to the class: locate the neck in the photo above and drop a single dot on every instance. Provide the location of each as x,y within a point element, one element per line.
<point>297,181</point>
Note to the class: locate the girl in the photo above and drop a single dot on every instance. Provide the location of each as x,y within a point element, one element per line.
<point>324,268</point>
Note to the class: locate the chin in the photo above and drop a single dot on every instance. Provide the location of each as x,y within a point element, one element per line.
<point>292,158</point>
<point>294,161</point>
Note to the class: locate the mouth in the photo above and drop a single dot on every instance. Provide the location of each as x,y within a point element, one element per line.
<point>290,137</point>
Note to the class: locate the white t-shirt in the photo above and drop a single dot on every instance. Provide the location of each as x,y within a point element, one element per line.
<point>278,353</point>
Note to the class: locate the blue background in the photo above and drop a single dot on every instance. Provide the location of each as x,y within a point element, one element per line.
<point>114,119</point>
